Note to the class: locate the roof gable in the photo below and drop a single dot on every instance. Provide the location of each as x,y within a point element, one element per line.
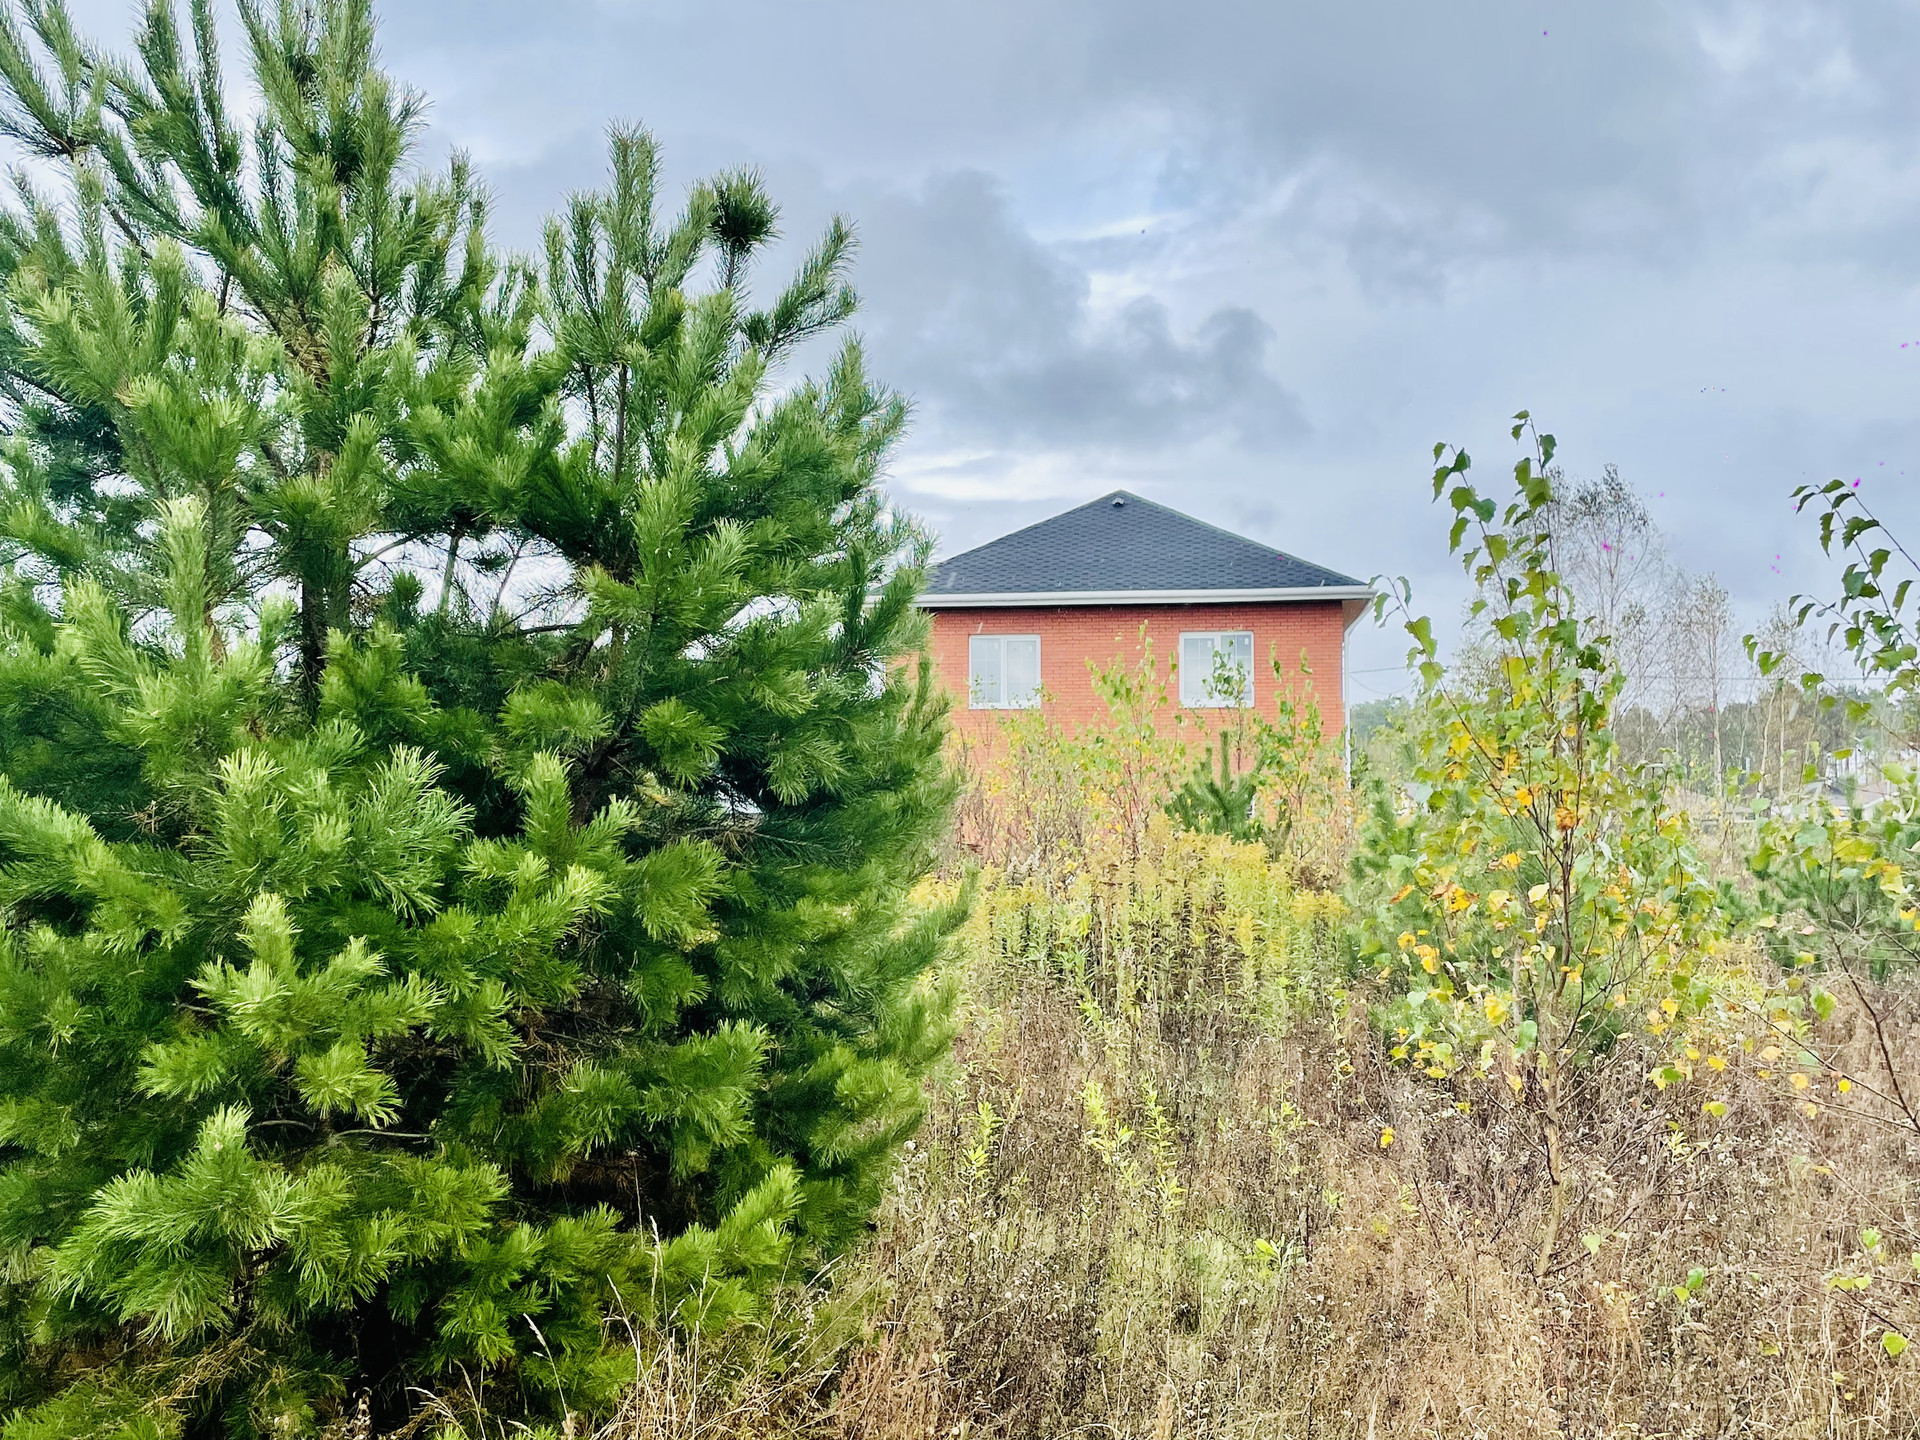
<point>1121,543</point>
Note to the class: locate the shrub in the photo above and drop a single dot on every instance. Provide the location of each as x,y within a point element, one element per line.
<point>1544,895</point>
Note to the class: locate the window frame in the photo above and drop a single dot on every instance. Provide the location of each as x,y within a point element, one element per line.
<point>974,702</point>
<point>1201,701</point>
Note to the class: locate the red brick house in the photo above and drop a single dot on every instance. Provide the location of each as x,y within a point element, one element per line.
<point>1016,620</point>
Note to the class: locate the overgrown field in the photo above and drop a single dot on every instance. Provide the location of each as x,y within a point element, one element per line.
<point>1173,1214</point>
<point>1176,1181</point>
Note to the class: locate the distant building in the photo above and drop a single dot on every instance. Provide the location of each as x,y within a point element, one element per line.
<point>1018,618</point>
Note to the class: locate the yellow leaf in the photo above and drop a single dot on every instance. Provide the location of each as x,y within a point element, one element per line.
<point>1537,894</point>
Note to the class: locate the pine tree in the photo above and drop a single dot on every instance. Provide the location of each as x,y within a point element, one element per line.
<point>463,782</point>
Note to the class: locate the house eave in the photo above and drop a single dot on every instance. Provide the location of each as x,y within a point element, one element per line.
<point>1014,599</point>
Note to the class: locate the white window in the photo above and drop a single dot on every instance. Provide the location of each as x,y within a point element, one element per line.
<point>1216,668</point>
<point>1003,672</point>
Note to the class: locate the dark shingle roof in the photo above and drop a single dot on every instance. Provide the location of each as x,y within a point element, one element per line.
<point>1121,542</point>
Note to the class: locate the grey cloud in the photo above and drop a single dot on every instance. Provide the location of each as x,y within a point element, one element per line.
<point>1637,130</point>
<point>1648,130</point>
<point>990,328</point>
<point>1662,114</point>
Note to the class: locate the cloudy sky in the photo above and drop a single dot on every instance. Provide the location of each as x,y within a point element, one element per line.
<point>1252,258</point>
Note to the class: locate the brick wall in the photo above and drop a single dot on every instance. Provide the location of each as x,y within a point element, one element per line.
<point>1070,636</point>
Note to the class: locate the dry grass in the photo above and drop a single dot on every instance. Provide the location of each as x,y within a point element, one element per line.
<point>1163,1209</point>
<point>1064,1288</point>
